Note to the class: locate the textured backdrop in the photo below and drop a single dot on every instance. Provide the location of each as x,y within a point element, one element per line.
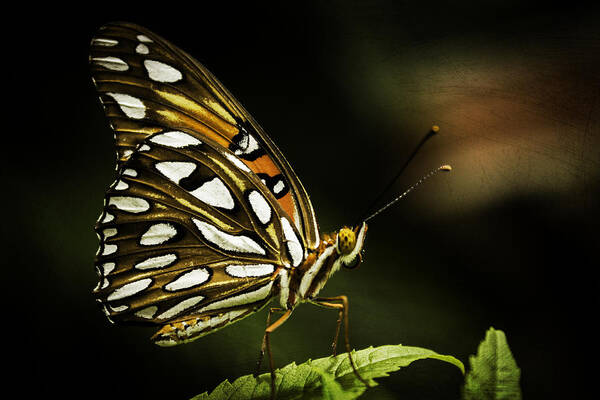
<point>346,90</point>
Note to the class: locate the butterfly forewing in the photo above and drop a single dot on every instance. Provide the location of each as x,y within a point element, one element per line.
<point>147,86</point>
<point>188,229</point>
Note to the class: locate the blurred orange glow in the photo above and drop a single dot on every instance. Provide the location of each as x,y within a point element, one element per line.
<point>512,122</point>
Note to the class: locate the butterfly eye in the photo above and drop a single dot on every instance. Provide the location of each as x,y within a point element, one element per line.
<point>346,241</point>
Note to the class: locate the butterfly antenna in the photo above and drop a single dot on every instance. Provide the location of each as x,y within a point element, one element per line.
<point>410,189</point>
<point>434,129</point>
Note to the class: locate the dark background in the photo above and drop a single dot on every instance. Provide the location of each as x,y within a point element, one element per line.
<point>346,90</point>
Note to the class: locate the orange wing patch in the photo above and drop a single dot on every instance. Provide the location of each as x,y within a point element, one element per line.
<point>273,178</point>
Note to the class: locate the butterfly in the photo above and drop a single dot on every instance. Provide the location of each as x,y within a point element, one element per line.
<point>206,222</point>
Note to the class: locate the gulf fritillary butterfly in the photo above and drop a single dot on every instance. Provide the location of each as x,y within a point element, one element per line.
<point>206,222</point>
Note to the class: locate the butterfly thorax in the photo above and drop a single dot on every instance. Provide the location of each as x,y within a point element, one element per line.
<point>342,248</point>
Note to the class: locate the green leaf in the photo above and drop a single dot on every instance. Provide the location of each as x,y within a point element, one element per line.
<point>331,390</point>
<point>329,378</point>
<point>494,374</point>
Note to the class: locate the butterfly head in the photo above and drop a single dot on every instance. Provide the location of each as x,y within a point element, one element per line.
<point>349,244</point>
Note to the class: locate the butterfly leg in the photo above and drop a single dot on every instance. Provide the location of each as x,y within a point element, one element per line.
<point>338,325</point>
<point>337,332</point>
<point>263,347</point>
<point>266,345</point>
<point>340,303</point>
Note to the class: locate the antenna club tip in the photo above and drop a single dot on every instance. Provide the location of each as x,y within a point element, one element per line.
<point>446,167</point>
<point>435,129</point>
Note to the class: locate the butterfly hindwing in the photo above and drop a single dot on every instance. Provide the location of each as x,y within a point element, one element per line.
<point>148,86</point>
<point>189,230</point>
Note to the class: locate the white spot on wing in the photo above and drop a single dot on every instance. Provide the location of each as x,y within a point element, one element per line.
<point>247,145</point>
<point>131,106</point>
<point>118,308</point>
<point>112,63</point>
<point>109,249</point>
<point>188,280</point>
<point>147,312</point>
<point>297,220</point>
<point>175,170</point>
<point>121,185</point>
<point>104,42</point>
<point>278,187</point>
<point>214,193</point>
<point>158,234</point>
<point>180,307</point>
<point>226,241</point>
<point>161,72</point>
<point>284,287</point>
<point>134,205</point>
<point>130,172</point>
<point>175,139</point>
<point>129,289</point>
<point>293,244</point>
<point>220,319</point>
<point>105,311</point>
<point>106,218</point>
<point>142,49</point>
<point>237,162</point>
<point>109,232</point>
<point>107,268</point>
<point>259,205</point>
<point>244,298</point>
<point>156,262</point>
<point>105,284</point>
<point>250,271</point>
<point>144,38</point>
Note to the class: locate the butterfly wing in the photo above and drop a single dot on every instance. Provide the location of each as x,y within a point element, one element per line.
<point>188,230</point>
<point>147,85</point>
